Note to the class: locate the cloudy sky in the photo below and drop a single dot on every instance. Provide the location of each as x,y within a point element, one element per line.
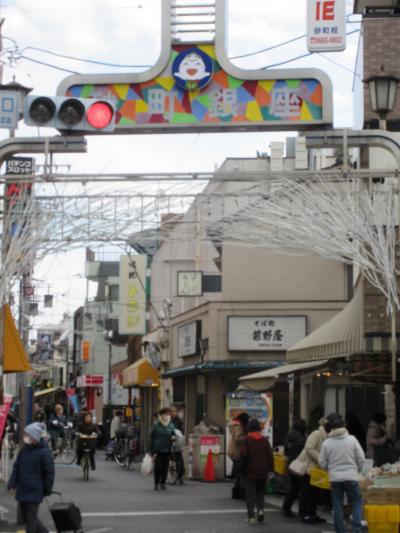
<point>38,35</point>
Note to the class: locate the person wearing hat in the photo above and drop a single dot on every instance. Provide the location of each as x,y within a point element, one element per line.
<point>308,493</point>
<point>32,476</point>
<point>257,462</point>
<point>343,458</point>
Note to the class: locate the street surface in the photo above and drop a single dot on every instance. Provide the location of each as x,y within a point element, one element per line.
<point>115,500</point>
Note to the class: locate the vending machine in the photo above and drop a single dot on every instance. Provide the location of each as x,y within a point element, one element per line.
<point>256,405</point>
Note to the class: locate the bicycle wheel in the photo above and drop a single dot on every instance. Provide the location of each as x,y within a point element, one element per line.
<point>68,453</point>
<point>121,455</point>
<point>172,474</point>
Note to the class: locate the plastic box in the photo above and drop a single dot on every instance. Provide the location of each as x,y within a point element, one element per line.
<point>319,478</point>
<point>382,518</point>
<point>281,463</point>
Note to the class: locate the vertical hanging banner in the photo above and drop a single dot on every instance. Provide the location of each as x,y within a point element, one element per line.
<point>132,295</point>
<point>326,25</point>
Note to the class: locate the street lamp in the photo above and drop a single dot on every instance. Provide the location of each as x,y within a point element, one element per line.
<point>382,93</point>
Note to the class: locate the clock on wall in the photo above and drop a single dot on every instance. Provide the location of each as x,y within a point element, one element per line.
<point>190,283</point>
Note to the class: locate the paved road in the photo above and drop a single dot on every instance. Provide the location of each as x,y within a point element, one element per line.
<point>121,501</point>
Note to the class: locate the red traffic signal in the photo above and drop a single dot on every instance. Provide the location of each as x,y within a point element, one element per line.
<point>70,114</point>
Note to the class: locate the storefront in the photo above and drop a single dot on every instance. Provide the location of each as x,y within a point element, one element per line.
<point>91,394</point>
<point>143,382</point>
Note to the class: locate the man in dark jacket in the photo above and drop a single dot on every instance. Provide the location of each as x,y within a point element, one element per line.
<point>32,476</point>
<point>294,444</point>
<point>257,462</point>
<point>161,436</point>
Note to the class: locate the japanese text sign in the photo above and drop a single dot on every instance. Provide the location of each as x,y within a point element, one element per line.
<point>9,110</point>
<point>326,25</point>
<point>265,333</point>
<point>132,295</point>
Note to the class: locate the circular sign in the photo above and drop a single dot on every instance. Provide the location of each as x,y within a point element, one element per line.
<point>192,69</point>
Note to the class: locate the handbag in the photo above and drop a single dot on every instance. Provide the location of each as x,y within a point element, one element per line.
<point>299,467</point>
<point>147,465</point>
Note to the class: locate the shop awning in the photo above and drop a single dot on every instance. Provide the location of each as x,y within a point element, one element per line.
<point>15,356</point>
<point>223,366</point>
<point>44,392</point>
<point>341,336</point>
<point>141,374</point>
<point>262,381</point>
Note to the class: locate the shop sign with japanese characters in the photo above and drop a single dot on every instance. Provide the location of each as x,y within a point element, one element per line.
<point>132,295</point>
<point>188,338</point>
<point>264,333</point>
<point>326,25</point>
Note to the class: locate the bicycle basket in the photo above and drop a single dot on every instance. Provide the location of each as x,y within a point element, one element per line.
<point>122,431</point>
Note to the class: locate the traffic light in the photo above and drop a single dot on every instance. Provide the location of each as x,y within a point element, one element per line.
<point>70,114</point>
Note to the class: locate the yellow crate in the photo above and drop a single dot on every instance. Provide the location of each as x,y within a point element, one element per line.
<point>382,514</point>
<point>383,528</point>
<point>281,464</point>
<point>319,478</point>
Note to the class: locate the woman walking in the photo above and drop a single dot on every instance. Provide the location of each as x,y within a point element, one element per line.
<point>256,463</point>
<point>161,436</point>
<point>294,444</point>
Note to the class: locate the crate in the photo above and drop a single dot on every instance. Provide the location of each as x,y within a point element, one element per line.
<point>382,518</point>
<point>281,463</point>
<point>319,478</point>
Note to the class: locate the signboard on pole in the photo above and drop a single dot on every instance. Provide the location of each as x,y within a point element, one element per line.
<point>326,25</point>
<point>9,110</point>
<point>85,351</point>
<point>132,295</point>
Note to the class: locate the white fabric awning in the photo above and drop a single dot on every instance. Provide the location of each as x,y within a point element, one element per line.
<point>262,381</point>
<point>341,336</point>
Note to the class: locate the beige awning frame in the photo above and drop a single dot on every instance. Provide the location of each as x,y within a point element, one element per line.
<point>264,380</point>
<point>341,336</point>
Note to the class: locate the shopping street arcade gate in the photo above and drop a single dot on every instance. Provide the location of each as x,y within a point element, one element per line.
<point>194,87</point>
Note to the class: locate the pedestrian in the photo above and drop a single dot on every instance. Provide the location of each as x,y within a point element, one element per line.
<point>115,424</point>
<point>257,463</point>
<point>355,427</point>
<point>32,476</point>
<point>343,457</point>
<point>161,437</point>
<point>89,429</point>
<point>179,443</point>
<point>38,413</point>
<point>237,429</point>
<point>378,442</point>
<point>57,421</point>
<point>309,494</point>
<point>294,444</point>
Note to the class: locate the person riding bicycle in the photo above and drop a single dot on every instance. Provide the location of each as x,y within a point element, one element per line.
<point>86,427</point>
<point>56,424</point>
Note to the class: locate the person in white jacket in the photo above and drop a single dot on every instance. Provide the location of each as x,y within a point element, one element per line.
<point>342,456</point>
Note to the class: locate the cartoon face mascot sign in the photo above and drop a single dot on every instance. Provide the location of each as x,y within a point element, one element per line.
<point>192,69</point>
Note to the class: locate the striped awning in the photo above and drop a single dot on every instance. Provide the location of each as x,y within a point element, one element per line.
<point>341,336</point>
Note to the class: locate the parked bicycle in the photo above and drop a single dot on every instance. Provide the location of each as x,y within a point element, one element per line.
<point>126,447</point>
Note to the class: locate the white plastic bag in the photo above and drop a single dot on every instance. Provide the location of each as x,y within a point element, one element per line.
<point>147,465</point>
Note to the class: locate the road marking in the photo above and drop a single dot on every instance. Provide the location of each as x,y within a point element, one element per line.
<point>170,513</point>
<point>101,530</point>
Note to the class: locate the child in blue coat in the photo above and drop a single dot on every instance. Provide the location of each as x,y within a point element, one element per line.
<point>32,476</point>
